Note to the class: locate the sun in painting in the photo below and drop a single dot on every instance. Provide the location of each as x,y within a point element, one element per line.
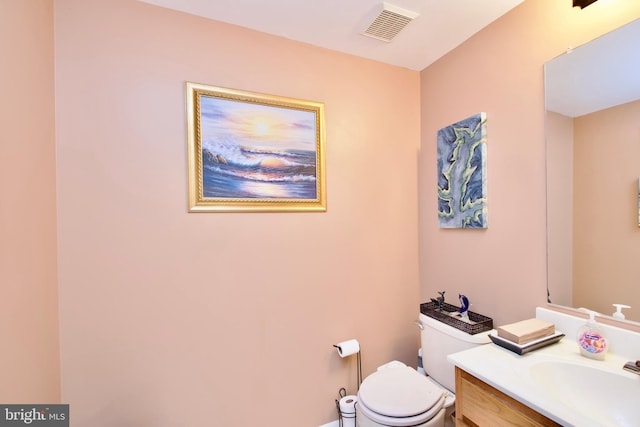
<point>261,128</point>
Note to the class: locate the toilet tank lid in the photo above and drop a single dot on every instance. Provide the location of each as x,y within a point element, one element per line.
<point>399,392</point>
<point>479,338</point>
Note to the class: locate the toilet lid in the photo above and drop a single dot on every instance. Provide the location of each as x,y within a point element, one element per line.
<point>399,392</point>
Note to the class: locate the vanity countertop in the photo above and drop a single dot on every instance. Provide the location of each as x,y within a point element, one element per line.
<point>512,374</point>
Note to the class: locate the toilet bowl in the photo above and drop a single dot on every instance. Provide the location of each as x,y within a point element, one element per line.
<point>397,395</point>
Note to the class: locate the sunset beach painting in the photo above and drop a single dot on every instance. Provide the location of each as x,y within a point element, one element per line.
<point>254,152</point>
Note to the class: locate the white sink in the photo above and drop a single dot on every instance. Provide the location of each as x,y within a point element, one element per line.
<point>558,382</point>
<point>609,398</point>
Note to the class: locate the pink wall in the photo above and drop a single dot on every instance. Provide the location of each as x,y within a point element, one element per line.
<point>606,235</point>
<point>559,138</point>
<point>499,71</point>
<point>170,318</point>
<point>29,305</point>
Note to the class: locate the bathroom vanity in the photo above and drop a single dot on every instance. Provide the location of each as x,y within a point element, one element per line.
<point>479,404</point>
<point>551,386</point>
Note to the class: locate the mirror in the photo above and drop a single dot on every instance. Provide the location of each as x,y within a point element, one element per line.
<point>592,101</point>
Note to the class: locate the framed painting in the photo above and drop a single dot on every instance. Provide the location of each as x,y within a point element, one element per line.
<point>462,173</point>
<point>251,152</point>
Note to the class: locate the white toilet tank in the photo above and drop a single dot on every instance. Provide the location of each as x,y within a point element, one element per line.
<point>438,340</point>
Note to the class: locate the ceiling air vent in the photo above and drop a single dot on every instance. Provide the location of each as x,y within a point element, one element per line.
<point>389,22</point>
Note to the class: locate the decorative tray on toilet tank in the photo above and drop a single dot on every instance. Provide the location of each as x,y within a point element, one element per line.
<point>477,322</point>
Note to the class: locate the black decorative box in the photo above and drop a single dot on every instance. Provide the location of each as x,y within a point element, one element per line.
<point>478,323</point>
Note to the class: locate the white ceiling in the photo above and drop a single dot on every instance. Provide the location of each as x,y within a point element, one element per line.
<point>338,24</point>
<point>600,74</point>
<point>441,26</point>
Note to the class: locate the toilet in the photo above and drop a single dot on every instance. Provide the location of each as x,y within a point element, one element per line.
<point>397,395</point>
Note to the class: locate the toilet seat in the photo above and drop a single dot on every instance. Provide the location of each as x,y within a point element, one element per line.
<point>399,396</point>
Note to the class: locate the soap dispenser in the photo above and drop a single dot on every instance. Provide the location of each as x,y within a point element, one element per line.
<point>618,313</point>
<point>591,339</point>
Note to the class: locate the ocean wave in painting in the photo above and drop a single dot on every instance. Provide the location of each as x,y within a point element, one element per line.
<point>234,171</point>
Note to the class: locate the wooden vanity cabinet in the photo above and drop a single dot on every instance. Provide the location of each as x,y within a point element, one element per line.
<point>479,404</point>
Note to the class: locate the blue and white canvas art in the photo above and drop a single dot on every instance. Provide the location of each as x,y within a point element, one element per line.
<point>462,173</point>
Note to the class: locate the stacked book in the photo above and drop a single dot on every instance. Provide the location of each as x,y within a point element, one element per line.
<point>526,335</point>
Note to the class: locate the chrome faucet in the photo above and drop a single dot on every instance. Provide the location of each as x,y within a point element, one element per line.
<point>632,367</point>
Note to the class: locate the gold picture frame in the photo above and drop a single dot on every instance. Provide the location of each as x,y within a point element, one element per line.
<point>252,152</point>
